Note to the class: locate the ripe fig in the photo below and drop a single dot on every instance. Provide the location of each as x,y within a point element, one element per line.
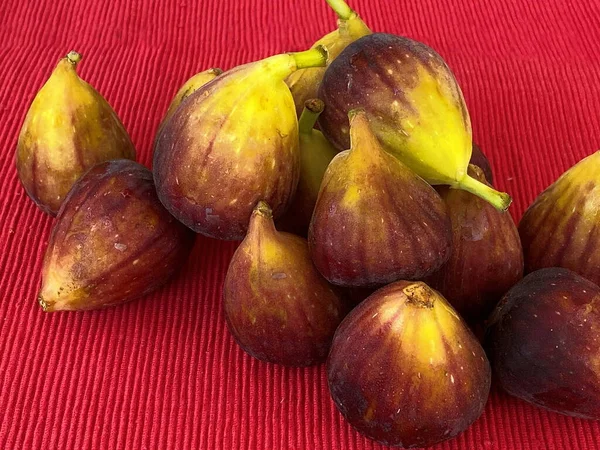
<point>188,88</point>
<point>405,370</point>
<point>543,341</point>
<point>278,307</point>
<point>479,159</point>
<point>232,143</point>
<point>417,108</point>
<point>68,129</point>
<point>486,259</point>
<point>376,221</point>
<point>315,155</point>
<point>561,228</point>
<point>304,83</point>
<point>112,242</point>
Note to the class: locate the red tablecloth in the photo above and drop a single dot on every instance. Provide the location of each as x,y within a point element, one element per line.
<point>163,372</point>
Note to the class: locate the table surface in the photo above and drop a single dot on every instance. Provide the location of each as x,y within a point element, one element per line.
<point>163,372</point>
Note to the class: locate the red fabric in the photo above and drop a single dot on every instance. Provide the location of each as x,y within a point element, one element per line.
<point>163,372</point>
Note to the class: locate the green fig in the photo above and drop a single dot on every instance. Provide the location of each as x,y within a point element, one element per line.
<point>232,143</point>
<point>375,220</point>
<point>315,155</point>
<point>417,109</point>
<point>68,129</point>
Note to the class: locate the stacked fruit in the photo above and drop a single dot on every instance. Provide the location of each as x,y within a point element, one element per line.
<point>233,161</point>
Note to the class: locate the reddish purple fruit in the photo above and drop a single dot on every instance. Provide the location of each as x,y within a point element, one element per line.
<point>479,159</point>
<point>405,370</point>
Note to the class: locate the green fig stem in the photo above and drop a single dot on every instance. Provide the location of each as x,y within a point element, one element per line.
<point>314,57</point>
<point>73,57</point>
<point>499,200</point>
<point>341,8</point>
<point>312,109</point>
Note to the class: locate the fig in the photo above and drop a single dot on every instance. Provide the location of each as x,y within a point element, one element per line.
<point>68,129</point>
<point>561,228</point>
<point>277,306</point>
<point>232,143</point>
<point>417,108</point>
<point>188,88</point>
<point>112,241</point>
<point>304,83</point>
<point>486,259</point>
<point>315,155</point>
<point>405,370</point>
<point>376,221</point>
<point>543,342</point>
<point>479,159</point>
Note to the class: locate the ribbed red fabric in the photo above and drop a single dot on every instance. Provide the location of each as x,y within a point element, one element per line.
<point>163,372</point>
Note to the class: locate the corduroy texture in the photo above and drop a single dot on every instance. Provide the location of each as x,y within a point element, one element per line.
<point>163,372</point>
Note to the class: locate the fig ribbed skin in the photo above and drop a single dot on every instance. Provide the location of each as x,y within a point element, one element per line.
<point>561,228</point>
<point>486,259</point>
<point>112,242</point>
<point>544,342</point>
<point>405,370</point>
<point>376,221</point>
<point>277,306</point>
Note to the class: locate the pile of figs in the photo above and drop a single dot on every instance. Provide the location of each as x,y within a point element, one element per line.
<point>372,237</point>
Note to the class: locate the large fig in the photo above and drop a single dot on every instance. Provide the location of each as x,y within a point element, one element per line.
<point>112,242</point>
<point>562,226</point>
<point>232,143</point>
<point>544,342</point>
<point>486,259</point>
<point>418,110</point>
<point>278,307</point>
<point>376,221</point>
<point>68,129</point>
<point>405,370</point>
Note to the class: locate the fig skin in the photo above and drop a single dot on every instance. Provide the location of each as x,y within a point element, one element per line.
<point>543,342</point>
<point>486,259</point>
<point>376,221</point>
<point>112,241</point>
<point>561,228</point>
<point>479,159</point>
<point>68,129</point>
<point>277,306</point>
<point>417,108</point>
<point>405,370</point>
<point>230,144</point>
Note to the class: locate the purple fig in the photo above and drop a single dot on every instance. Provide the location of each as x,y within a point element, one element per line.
<point>405,370</point>
<point>479,159</point>
<point>112,242</point>
<point>544,342</point>
<point>278,307</point>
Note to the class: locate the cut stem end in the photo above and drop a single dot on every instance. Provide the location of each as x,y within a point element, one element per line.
<point>73,57</point>
<point>314,57</point>
<point>499,200</point>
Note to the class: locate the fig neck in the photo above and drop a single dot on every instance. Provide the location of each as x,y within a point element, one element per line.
<point>261,221</point>
<point>419,295</point>
<point>362,140</point>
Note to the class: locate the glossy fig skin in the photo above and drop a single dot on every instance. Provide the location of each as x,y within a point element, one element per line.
<point>232,143</point>
<point>405,370</point>
<point>376,221</point>
<point>486,259</point>
<point>479,159</point>
<point>277,306</point>
<point>68,129</point>
<point>112,242</point>
<point>561,228</point>
<point>543,342</point>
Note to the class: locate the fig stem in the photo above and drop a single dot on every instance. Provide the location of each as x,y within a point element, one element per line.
<point>261,220</point>
<point>215,71</point>
<point>419,294</point>
<point>499,200</point>
<point>341,8</point>
<point>73,57</point>
<point>312,109</point>
<point>314,57</point>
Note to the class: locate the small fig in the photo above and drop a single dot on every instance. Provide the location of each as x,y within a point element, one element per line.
<point>232,143</point>
<point>561,228</point>
<point>112,241</point>
<point>304,83</point>
<point>543,340</point>
<point>376,221</point>
<point>315,155</point>
<point>68,129</point>
<point>417,108</point>
<point>405,370</point>
<point>479,159</point>
<point>486,259</point>
<point>277,306</point>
